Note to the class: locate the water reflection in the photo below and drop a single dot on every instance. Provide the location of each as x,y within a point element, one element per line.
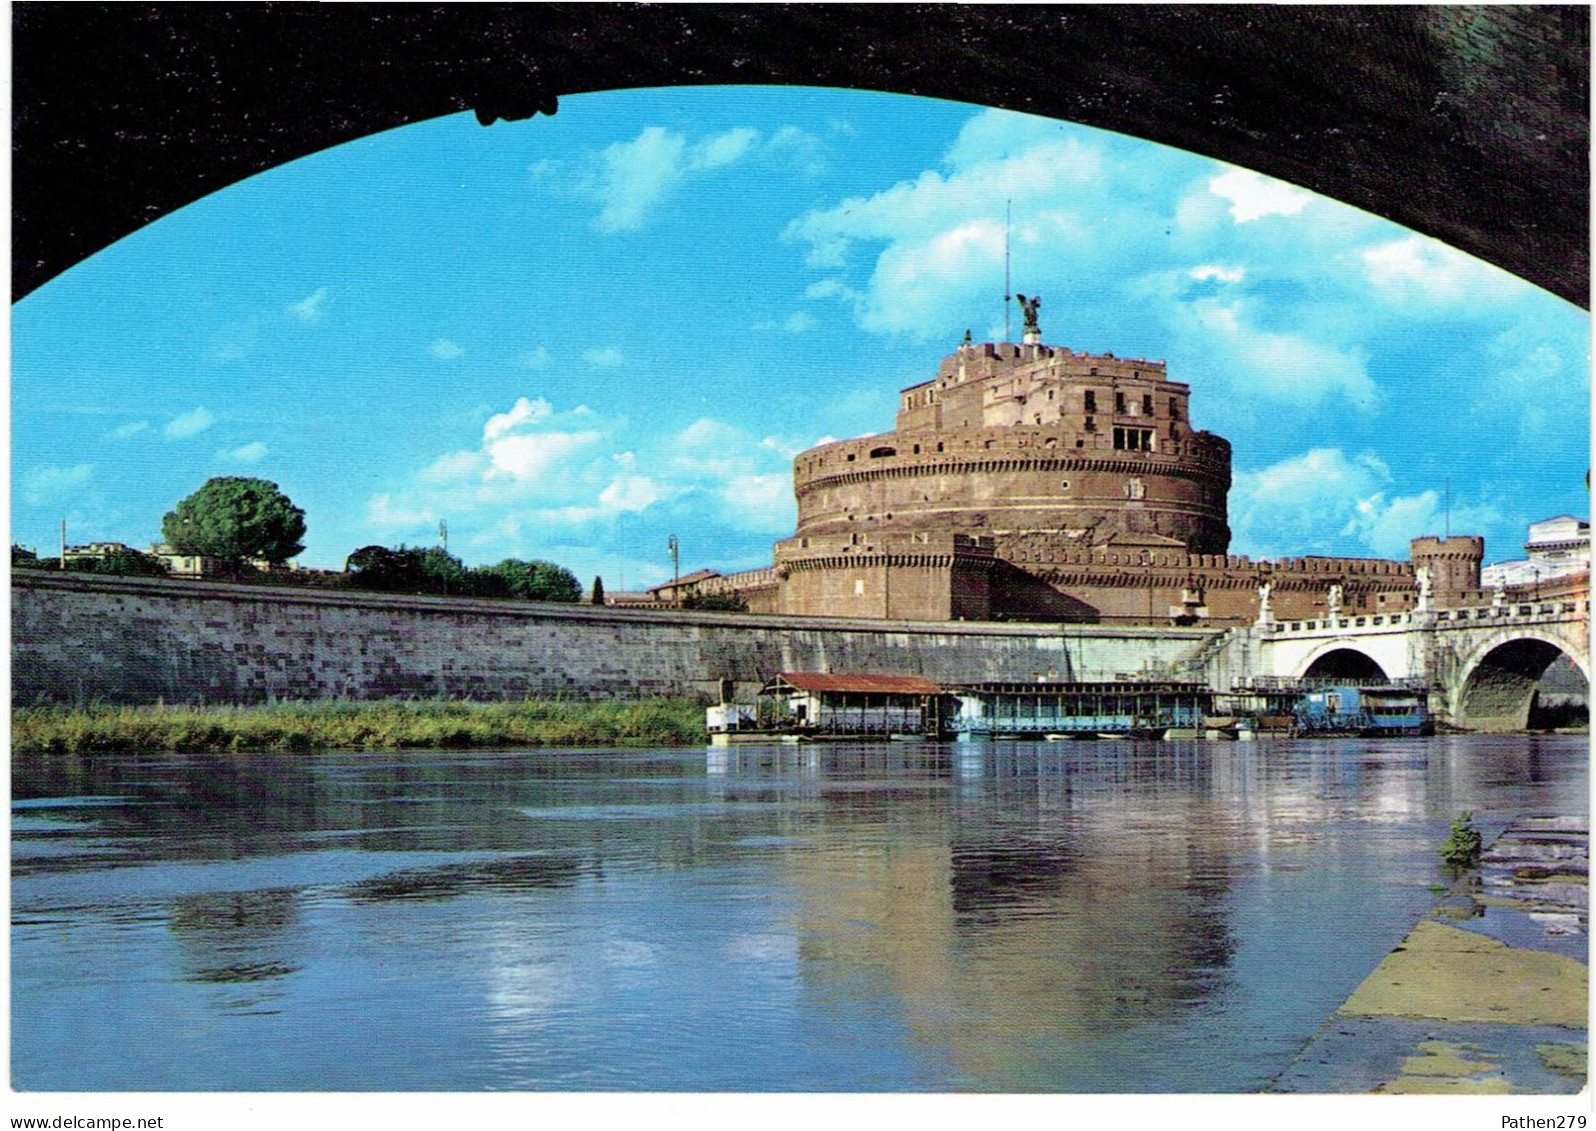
<point>1091,916</point>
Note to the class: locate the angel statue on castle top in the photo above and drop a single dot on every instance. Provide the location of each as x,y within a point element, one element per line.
<point>1028,308</point>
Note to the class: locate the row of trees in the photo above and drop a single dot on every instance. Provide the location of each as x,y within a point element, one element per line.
<point>432,570</point>
<point>239,520</point>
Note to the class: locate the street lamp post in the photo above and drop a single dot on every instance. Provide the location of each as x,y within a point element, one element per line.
<point>676,569</point>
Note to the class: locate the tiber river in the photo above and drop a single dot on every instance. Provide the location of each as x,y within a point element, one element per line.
<point>1082,917</point>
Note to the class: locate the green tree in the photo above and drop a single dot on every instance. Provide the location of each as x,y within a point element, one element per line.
<point>121,563</point>
<point>598,590</point>
<point>538,580</point>
<point>24,558</point>
<point>409,569</point>
<point>234,519</point>
<point>716,602</point>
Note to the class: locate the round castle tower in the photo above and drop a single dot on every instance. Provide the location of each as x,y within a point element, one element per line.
<point>1024,440</point>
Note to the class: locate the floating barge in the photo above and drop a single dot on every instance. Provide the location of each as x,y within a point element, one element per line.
<point>1056,709</point>
<point>1363,711</point>
<point>826,707</point>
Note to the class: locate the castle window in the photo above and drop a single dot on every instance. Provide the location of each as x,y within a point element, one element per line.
<point>1091,401</point>
<point>1147,404</point>
<point>1064,486</point>
<point>882,453</point>
<point>850,457</point>
<point>1091,425</point>
<point>917,449</point>
<point>1119,403</point>
<point>939,445</point>
<point>1050,394</point>
<point>1174,408</point>
<point>1133,439</point>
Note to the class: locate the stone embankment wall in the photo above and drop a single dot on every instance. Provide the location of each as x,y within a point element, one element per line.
<point>126,640</point>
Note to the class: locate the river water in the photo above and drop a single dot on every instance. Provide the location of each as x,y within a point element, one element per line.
<point>1016,916</point>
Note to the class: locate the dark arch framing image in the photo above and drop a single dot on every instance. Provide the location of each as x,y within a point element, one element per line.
<point>799,548</point>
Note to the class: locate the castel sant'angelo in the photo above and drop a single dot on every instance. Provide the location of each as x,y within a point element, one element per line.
<point>1029,482</point>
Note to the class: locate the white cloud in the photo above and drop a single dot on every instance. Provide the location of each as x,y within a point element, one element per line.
<point>445,350</point>
<point>1286,368</point>
<point>538,472</point>
<point>311,308</point>
<point>1253,196</point>
<point>537,359</point>
<point>1221,274</point>
<point>606,357</point>
<point>49,483</point>
<point>1420,270</point>
<point>761,501</point>
<point>132,428</point>
<point>722,149</point>
<point>1388,526</point>
<point>1310,502</point>
<point>941,234</point>
<point>632,178</point>
<point>190,423</point>
<point>524,411</point>
<point>633,493</point>
<point>386,512</point>
<point>526,456</point>
<point>806,151</point>
<point>248,453</point>
<point>454,466</point>
<point>1301,504</point>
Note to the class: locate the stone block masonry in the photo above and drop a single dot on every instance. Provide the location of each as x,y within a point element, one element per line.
<point>79,640</point>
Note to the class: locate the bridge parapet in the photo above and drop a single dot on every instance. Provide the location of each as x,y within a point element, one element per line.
<point>1506,615</point>
<point>1362,624</point>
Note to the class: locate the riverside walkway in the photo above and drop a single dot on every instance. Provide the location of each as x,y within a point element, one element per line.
<point>1488,994</point>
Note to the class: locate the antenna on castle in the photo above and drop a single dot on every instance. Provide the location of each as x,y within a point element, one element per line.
<point>1008,217</point>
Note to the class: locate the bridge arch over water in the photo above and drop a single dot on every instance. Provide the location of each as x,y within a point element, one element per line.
<point>1339,661</point>
<point>1497,682</point>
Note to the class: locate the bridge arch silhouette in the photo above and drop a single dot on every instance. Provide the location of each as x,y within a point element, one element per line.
<point>1467,124</point>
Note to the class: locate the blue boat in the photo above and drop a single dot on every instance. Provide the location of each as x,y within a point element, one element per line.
<point>1345,709</point>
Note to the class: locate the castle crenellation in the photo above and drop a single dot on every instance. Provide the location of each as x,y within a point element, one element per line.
<point>1031,482</point>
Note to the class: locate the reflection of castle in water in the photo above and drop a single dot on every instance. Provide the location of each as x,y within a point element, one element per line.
<point>1043,897</point>
<point>1018,908</point>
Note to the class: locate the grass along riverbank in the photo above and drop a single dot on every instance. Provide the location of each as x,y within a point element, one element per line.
<point>378,725</point>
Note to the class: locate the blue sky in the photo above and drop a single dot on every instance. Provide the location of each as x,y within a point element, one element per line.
<point>572,337</point>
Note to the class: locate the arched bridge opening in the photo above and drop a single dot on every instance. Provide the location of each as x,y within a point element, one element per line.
<point>1504,689</point>
<point>1470,124</point>
<point>1345,664</point>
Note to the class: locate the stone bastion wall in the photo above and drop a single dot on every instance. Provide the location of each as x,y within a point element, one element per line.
<point>79,640</point>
